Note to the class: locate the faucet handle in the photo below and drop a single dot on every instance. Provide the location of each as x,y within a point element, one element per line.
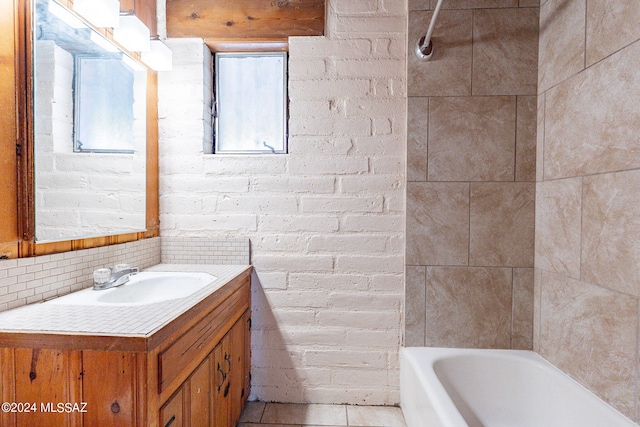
<point>101,275</point>
<point>120,267</point>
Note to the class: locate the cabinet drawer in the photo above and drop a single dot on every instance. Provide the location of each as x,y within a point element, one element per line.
<point>192,347</point>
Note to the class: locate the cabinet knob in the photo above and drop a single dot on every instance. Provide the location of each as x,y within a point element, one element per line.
<point>115,408</point>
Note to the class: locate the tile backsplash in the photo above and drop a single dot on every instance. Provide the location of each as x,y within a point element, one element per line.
<point>201,250</point>
<point>28,280</point>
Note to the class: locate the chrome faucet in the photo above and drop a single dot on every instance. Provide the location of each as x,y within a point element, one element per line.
<point>105,278</point>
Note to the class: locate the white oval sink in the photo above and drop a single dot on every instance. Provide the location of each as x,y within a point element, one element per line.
<point>146,287</point>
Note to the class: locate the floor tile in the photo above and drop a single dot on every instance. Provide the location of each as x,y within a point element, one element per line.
<point>268,425</point>
<point>252,412</point>
<point>378,416</point>
<point>314,414</point>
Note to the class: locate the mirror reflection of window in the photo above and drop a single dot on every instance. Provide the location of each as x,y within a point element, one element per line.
<point>85,89</point>
<point>104,101</point>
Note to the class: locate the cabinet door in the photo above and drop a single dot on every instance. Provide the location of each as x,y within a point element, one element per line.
<point>44,378</point>
<point>110,387</point>
<point>171,413</point>
<point>200,385</point>
<point>236,364</point>
<point>246,321</point>
<point>221,407</point>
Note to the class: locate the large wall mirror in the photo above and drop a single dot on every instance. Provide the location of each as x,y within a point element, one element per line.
<point>89,130</point>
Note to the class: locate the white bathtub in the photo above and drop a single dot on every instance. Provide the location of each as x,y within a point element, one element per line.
<point>495,388</point>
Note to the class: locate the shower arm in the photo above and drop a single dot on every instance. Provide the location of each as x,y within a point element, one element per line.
<point>424,46</point>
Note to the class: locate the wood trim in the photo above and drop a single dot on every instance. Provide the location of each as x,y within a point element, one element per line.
<point>72,342</point>
<point>24,103</point>
<point>9,246</point>
<point>240,19</point>
<point>247,45</point>
<point>153,190</point>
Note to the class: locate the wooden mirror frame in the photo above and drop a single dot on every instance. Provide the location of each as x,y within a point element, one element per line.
<point>17,207</point>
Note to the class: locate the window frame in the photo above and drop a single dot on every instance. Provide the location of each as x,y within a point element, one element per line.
<point>285,101</point>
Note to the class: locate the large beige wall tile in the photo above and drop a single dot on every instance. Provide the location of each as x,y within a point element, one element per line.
<point>611,25</point>
<point>417,133</point>
<point>526,126</point>
<point>415,308</point>
<point>502,224</point>
<point>591,334</point>
<point>561,49</point>
<point>419,5</point>
<point>472,138</point>
<point>522,323</point>
<point>448,73</point>
<point>437,223</point>
<point>591,120</point>
<point>469,307</point>
<point>505,51</point>
<point>558,226</point>
<point>611,231</point>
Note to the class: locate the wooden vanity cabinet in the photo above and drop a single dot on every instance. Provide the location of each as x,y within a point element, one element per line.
<point>214,394</point>
<point>192,372</point>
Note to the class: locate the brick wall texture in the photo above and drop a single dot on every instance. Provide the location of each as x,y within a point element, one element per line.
<point>325,221</point>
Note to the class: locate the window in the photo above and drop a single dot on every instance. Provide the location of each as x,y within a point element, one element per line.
<point>250,109</point>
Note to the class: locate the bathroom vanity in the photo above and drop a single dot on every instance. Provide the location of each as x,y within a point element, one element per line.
<point>181,362</point>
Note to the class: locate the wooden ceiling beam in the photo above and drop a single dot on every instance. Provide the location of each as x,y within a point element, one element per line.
<point>245,19</point>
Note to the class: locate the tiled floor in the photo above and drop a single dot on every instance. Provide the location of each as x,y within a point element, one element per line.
<point>260,414</point>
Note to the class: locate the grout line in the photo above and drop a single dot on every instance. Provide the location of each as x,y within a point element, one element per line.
<point>346,414</point>
<point>586,23</point>
<point>515,145</point>
<point>512,306</point>
<point>581,225</point>
<point>264,409</point>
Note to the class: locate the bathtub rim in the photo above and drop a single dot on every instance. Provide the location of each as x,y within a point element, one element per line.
<point>444,406</point>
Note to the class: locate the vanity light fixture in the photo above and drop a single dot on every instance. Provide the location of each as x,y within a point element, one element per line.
<point>159,57</point>
<point>101,13</point>
<point>132,34</point>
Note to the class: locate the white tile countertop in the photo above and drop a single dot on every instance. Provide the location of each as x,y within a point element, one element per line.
<point>118,320</point>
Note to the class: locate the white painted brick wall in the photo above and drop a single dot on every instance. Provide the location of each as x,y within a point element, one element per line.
<point>325,221</point>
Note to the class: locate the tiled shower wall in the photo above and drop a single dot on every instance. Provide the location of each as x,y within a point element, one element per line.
<point>588,194</point>
<point>471,173</point>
